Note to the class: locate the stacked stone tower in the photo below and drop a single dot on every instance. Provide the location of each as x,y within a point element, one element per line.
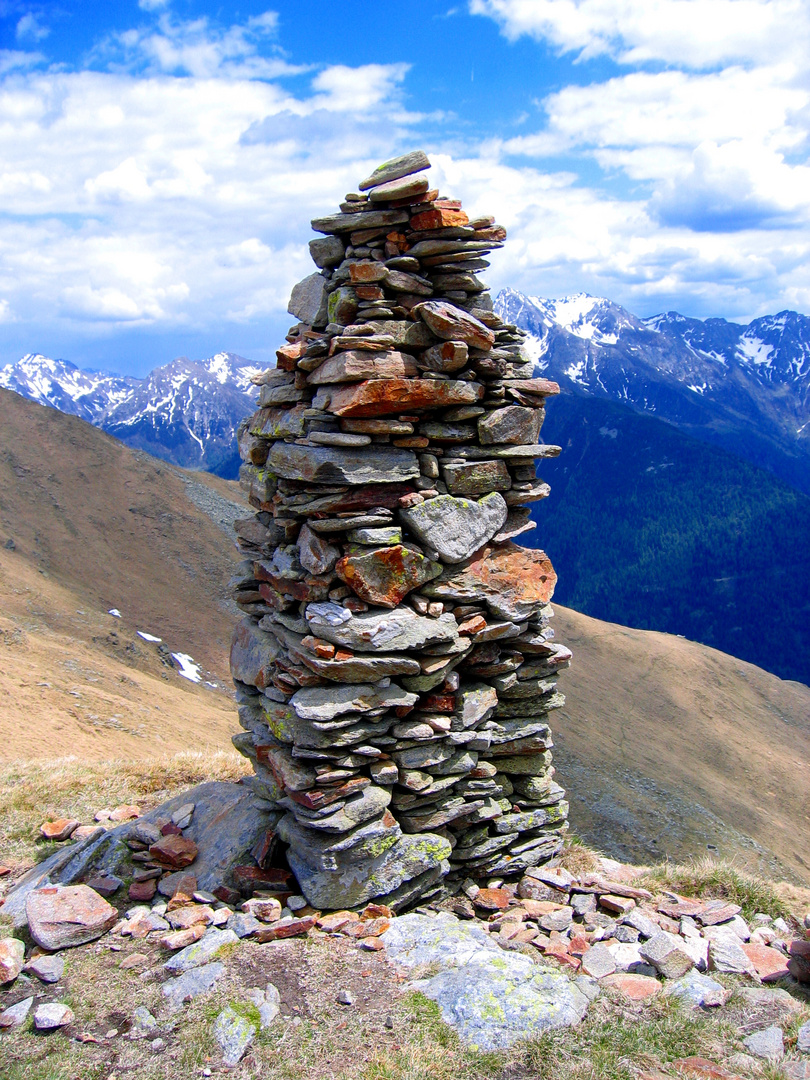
<point>394,667</point>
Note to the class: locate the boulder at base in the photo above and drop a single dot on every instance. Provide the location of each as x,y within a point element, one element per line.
<point>61,916</point>
<point>491,997</point>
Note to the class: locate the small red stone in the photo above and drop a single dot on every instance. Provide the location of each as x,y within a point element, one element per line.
<point>143,890</point>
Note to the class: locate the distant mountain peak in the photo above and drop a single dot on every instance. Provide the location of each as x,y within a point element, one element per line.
<point>746,388</point>
<point>185,412</point>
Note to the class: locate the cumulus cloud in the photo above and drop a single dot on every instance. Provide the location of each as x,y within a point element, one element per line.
<point>171,185</point>
<point>690,33</point>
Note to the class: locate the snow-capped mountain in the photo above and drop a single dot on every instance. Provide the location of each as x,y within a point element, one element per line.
<point>185,412</point>
<point>746,388</point>
<point>65,387</point>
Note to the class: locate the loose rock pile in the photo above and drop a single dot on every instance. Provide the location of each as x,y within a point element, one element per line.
<point>395,669</point>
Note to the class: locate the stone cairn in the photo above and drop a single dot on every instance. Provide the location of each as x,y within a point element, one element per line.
<point>395,670</point>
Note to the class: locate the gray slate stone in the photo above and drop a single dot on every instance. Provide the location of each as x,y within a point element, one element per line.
<point>191,984</point>
<point>697,989</point>
<point>234,1034</point>
<point>327,702</point>
<point>347,465</point>
<point>666,954</point>
<point>326,251</point>
<point>242,924</point>
<point>17,1014</point>
<point>406,165</point>
<point>346,882</point>
<point>51,1016</point>
<point>456,528</point>
<point>645,926</point>
<point>371,631</point>
<point>491,997</point>
<point>48,969</point>
<point>768,1044</point>
<point>143,1024</point>
<point>201,951</point>
<point>803,1038</point>
<point>308,301</point>
<point>727,955</point>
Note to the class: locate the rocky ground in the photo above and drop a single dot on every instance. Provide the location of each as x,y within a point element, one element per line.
<point>589,968</point>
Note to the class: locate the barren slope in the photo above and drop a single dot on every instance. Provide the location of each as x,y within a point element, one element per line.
<point>666,746</point>
<point>670,748</point>
<point>97,526</point>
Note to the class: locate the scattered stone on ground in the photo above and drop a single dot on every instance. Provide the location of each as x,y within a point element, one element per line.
<point>52,1015</point>
<point>234,1034</point>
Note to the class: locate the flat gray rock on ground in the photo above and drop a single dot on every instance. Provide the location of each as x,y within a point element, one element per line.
<point>191,984</point>
<point>491,997</point>
<point>697,989</point>
<point>768,1044</point>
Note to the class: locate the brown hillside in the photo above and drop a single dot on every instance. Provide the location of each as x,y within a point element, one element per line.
<point>666,746</point>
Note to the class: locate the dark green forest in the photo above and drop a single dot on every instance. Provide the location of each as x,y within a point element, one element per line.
<point>653,529</point>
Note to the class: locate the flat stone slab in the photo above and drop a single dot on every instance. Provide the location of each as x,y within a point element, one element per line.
<point>62,916</point>
<point>491,997</point>
<point>191,984</point>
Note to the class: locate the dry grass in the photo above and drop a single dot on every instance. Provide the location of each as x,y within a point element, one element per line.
<point>35,791</point>
<point>717,878</point>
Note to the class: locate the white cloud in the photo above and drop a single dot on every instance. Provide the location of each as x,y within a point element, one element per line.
<point>30,29</point>
<point>691,33</point>
<point>152,5</point>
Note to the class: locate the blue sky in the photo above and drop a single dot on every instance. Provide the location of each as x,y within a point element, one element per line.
<point>160,161</point>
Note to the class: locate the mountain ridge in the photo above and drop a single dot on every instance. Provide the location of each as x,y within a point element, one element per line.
<point>185,412</point>
<point>745,388</point>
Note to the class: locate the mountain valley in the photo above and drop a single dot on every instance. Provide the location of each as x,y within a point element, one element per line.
<point>668,748</point>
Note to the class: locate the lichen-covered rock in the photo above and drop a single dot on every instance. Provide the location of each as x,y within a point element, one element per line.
<point>456,528</point>
<point>491,997</point>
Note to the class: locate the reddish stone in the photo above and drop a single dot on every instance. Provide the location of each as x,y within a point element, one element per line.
<point>633,987</point>
<point>453,324</point>
<point>61,916</point>
<point>143,890</point>
<point>183,892</point>
<point>496,233</point>
<point>472,625</point>
<point>557,951</point>
<point>308,588</point>
<point>176,851</point>
<point>367,928</point>
<point>352,365</point>
<point>104,885</point>
<point>369,292</point>
<point>717,911</point>
<point>512,579</point>
<point>364,272</point>
<point>492,899</point>
<point>170,829</point>
<point>799,964</point>
<point>248,878</point>
<point>372,944</point>
<point>620,905</point>
<point>60,829</point>
<point>770,964</point>
<point>127,812</point>
<point>376,911</point>
<point>290,929</point>
<point>318,797</point>
<point>579,945</point>
<point>378,397</point>
<point>439,218</point>
<point>181,938</point>
<point>335,921</point>
<point>226,894</point>
<point>289,354</point>
<point>384,577</point>
<point>5,871</point>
